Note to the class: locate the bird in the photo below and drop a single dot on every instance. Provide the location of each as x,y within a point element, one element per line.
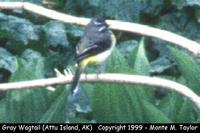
<point>94,47</point>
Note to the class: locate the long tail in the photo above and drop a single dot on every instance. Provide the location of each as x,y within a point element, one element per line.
<point>76,79</point>
<point>77,101</point>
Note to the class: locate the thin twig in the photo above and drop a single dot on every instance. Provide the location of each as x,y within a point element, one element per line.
<point>109,78</point>
<point>175,39</point>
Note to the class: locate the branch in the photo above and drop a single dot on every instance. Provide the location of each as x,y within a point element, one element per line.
<point>109,78</point>
<point>173,38</point>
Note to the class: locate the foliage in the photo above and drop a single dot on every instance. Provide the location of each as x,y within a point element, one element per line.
<point>32,46</point>
<point>55,34</point>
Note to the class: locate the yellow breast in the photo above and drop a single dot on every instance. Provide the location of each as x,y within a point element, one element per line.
<point>101,57</point>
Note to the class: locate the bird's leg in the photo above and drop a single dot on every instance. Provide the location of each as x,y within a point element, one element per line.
<point>100,69</point>
<point>86,73</point>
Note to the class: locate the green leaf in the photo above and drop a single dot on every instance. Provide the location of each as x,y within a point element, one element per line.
<point>183,115</point>
<point>152,7</point>
<point>127,47</point>
<point>30,104</point>
<point>74,30</point>
<point>55,34</point>
<point>79,8</point>
<point>7,61</point>
<point>26,105</point>
<point>141,63</point>
<point>153,114</point>
<point>120,102</point>
<point>31,66</point>
<point>188,67</point>
<point>138,60</point>
<point>3,117</point>
<point>110,102</point>
<point>190,71</point>
<point>178,23</point>
<point>21,30</point>
<point>180,109</point>
<point>198,120</point>
<point>111,9</point>
<point>56,112</point>
<point>183,3</point>
<point>160,65</point>
<point>116,103</point>
<point>127,7</point>
<point>81,120</point>
<point>170,105</point>
<point>115,61</point>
